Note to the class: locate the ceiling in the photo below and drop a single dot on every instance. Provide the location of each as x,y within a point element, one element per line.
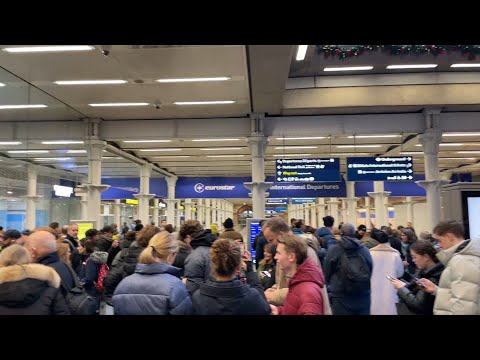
<point>258,77</point>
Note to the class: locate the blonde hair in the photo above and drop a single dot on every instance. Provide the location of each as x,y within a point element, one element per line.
<point>14,255</point>
<point>62,250</point>
<point>159,247</point>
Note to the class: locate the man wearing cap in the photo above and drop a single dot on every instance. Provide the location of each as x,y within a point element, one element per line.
<point>107,244</point>
<point>364,237</point>
<point>229,232</point>
<point>10,237</point>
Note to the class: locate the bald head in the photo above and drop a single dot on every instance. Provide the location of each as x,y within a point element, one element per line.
<point>348,229</point>
<point>40,244</point>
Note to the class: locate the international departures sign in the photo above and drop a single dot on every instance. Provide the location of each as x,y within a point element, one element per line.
<point>307,170</point>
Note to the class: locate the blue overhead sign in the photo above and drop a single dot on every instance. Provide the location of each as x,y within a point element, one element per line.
<point>307,170</point>
<point>272,201</point>
<point>393,168</point>
<point>303,200</point>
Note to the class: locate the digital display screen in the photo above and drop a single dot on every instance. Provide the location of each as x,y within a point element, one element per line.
<point>254,230</point>
<point>473,217</point>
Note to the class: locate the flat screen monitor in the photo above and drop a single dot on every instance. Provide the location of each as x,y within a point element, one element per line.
<point>471,214</point>
<point>253,226</point>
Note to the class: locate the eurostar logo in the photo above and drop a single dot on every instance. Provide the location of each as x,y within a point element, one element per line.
<point>199,188</point>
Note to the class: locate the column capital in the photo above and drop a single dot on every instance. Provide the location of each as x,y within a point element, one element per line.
<point>379,193</point>
<point>171,180</point>
<point>430,140</point>
<point>144,196</point>
<point>262,186</point>
<point>257,145</point>
<point>432,184</point>
<point>95,143</point>
<point>88,187</point>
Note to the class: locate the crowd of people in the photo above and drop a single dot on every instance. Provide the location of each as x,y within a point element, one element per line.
<point>297,270</point>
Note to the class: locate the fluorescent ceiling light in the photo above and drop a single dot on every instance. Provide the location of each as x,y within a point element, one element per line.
<point>10,143</point>
<point>119,104</point>
<point>179,80</point>
<point>9,192</point>
<point>216,102</point>
<point>166,149</point>
<point>302,138</point>
<point>348,68</point>
<point>62,142</point>
<point>348,154</point>
<point>6,107</point>
<point>2,84</point>
<point>36,49</point>
<point>171,157</point>
<point>28,152</point>
<point>295,147</point>
<point>461,134</point>
<point>219,156</point>
<point>146,141</point>
<point>53,159</point>
<point>411,153</point>
<point>357,146</point>
<point>111,157</point>
<point>372,136</point>
<point>282,155</point>
<point>447,158</point>
<point>76,151</point>
<point>90,82</point>
<point>473,65</point>
<point>301,52</point>
<point>220,149</point>
<point>450,144</point>
<point>469,152</point>
<point>412,66</point>
<point>199,140</point>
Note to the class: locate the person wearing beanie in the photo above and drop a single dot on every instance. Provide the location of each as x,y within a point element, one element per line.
<point>229,232</point>
<point>10,237</point>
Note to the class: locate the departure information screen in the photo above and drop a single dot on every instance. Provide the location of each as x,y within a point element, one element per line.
<point>395,168</point>
<point>254,229</point>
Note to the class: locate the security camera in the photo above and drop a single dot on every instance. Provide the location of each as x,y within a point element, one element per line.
<point>106,49</point>
<point>106,52</point>
<point>157,106</point>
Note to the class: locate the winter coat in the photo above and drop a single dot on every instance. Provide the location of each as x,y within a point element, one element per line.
<point>368,241</point>
<point>154,289</point>
<point>125,267</point>
<point>407,256</point>
<point>66,277</point>
<point>386,261</point>
<point>261,241</point>
<point>327,237</point>
<point>352,303</point>
<point>304,291</point>
<point>183,252</point>
<point>458,291</point>
<point>31,289</point>
<point>416,300</point>
<point>266,281</point>
<point>89,271</point>
<point>396,244</point>
<point>197,264</point>
<point>75,257</point>
<point>231,297</point>
<point>104,243</point>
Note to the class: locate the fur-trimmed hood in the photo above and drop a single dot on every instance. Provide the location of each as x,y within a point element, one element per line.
<point>40,272</point>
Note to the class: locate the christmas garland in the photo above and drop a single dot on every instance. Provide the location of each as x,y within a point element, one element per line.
<point>343,52</point>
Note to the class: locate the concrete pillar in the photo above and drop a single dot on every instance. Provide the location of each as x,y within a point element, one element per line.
<point>144,196</point>
<point>332,208</point>
<point>367,213</point>
<point>94,188</point>
<point>432,184</point>
<point>320,211</point>
<point>188,209</point>
<point>257,144</point>
<point>313,215</point>
<point>171,182</point>
<point>208,213</point>
<point>116,213</point>
<point>306,213</point>
<point>344,211</point>
<point>200,211</point>
<point>31,198</point>
<point>84,206</point>
<point>409,202</point>
<point>155,212</point>
<point>381,211</point>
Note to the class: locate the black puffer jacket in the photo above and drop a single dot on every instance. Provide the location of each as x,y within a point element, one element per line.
<point>183,252</point>
<point>124,267</point>
<point>52,260</point>
<point>418,301</point>
<point>197,264</point>
<point>31,289</point>
<point>231,297</point>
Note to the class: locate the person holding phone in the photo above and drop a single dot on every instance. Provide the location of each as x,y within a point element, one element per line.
<point>415,301</point>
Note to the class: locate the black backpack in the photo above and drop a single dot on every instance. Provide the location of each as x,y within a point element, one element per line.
<point>355,271</point>
<point>78,301</point>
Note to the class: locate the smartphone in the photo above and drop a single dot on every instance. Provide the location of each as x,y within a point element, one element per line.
<point>418,281</point>
<point>266,273</point>
<point>391,278</point>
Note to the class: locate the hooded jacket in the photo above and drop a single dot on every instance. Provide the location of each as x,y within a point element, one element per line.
<point>197,264</point>
<point>66,276</point>
<point>154,289</point>
<point>89,271</point>
<point>458,292</point>
<point>304,291</point>
<point>417,300</point>
<point>327,237</point>
<point>31,289</point>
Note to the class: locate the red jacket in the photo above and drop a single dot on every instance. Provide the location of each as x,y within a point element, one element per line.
<point>304,291</point>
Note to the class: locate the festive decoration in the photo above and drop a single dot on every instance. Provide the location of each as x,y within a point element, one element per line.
<point>343,52</point>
